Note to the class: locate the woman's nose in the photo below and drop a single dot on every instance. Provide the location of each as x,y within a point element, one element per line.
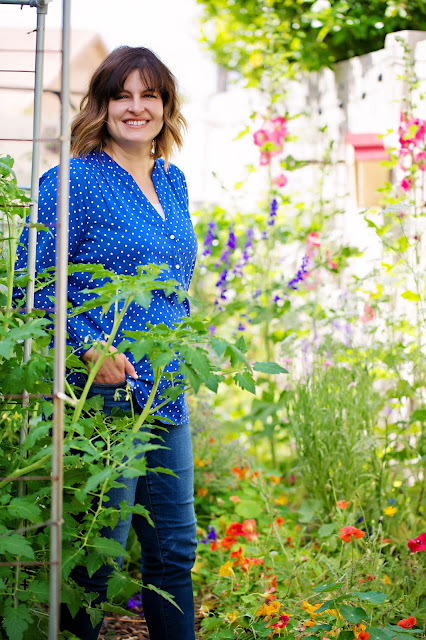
<point>136,105</point>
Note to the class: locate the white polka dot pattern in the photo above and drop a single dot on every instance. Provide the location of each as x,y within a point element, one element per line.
<point>112,223</point>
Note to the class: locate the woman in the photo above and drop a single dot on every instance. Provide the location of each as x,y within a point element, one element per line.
<point>129,207</point>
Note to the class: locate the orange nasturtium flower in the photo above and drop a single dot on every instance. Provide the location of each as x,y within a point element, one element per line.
<point>407,623</point>
<point>202,492</point>
<point>279,521</point>
<point>346,533</point>
<point>343,504</point>
<point>235,499</point>
<point>364,635</point>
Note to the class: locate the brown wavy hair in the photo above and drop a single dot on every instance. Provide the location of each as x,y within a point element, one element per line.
<point>89,130</point>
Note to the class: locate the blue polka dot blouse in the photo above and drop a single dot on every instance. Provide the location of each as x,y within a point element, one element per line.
<point>112,223</point>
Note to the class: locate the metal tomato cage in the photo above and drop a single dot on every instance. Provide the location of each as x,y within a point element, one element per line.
<point>59,396</point>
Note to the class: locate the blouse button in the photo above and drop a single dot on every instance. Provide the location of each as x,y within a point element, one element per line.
<point>172,237</point>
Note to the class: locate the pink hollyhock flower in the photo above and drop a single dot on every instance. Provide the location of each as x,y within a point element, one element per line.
<point>280,181</point>
<point>406,184</point>
<point>417,544</point>
<point>265,158</point>
<point>420,160</point>
<point>313,239</point>
<point>331,263</point>
<point>368,314</point>
<point>260,137</point>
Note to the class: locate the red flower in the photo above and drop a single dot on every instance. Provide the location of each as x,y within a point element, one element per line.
<point>282,622</point>
<point>363,635</point>
<point>407,623</point>
<point>343,504</point>
<point>235,529</point>
<point>227,542</point>
<point>418,544</point>
<point>346,533</point>
<point>213,546</point>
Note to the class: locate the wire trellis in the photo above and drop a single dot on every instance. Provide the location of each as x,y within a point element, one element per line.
<point>58,396</point>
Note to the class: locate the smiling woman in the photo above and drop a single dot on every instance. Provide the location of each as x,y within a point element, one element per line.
<point>90,127</point>
<point>129,208</point>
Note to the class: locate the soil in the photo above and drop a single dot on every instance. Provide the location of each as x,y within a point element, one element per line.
<point>118,627</point>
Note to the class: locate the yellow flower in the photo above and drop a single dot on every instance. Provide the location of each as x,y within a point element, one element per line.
<point>202,492</point>
<point>311,608</point>
<point>281,500</point>
<point>256,59</point>
<point>198,462</point>
<point>310,623</point>
<point>387,580</point>
<point>272,608</point>
<point>357,628</point>
<point>334,612</point>
<point>262,611</point>
<point>390,511</point>
<point>204,611</point>
<point>226,570</point>
<point>230,617</point>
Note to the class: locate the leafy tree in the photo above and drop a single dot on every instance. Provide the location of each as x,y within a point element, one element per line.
<point>270,38</point>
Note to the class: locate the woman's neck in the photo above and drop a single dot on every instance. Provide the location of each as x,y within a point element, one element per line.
<point>139,164</point>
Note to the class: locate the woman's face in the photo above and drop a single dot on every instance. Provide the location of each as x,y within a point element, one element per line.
<point>135,116</point>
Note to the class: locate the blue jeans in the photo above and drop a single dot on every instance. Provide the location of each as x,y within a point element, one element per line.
<point>168,548</point>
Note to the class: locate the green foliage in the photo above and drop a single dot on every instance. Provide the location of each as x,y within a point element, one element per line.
<point>266,39</point>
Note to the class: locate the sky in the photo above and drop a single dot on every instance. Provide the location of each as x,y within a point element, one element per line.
<point>169,27</point>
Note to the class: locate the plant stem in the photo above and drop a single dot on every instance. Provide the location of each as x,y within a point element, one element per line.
<point>146,410</point>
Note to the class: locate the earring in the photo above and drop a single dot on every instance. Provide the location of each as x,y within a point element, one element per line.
<point>153,147</point>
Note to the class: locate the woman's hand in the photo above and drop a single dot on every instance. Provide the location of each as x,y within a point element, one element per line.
<point>113,369</point>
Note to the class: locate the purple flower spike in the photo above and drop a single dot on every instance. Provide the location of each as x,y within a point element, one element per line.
<point>211,533</point>
<point>210,236</point>
<point>232,240</point>
<point>293,284</point>
<point>241,327</point>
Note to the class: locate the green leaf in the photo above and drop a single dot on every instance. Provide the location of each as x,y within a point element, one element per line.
<point>241,344</point>
<point>117,582</point>
<point>72,596</point>
<point>418,416</point>
<point>6,348</point>
<point>162,593</point>
<point>16,620</point>
<point>327,530</point>
<point>308,509</point>
<point>23,508</point>
<point>245,381</point>
<point>321,627</point>
<point>352,614</point>
<point>97,478</point>
<point>376,633</point>
<point>249,509</point>
<point>269,367</point>
<point>376,597</point>
<point>346,634</point>
<point>17,545</point>
<point>96,615</point>
<point>109,547</point>
<point>94,562</point>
